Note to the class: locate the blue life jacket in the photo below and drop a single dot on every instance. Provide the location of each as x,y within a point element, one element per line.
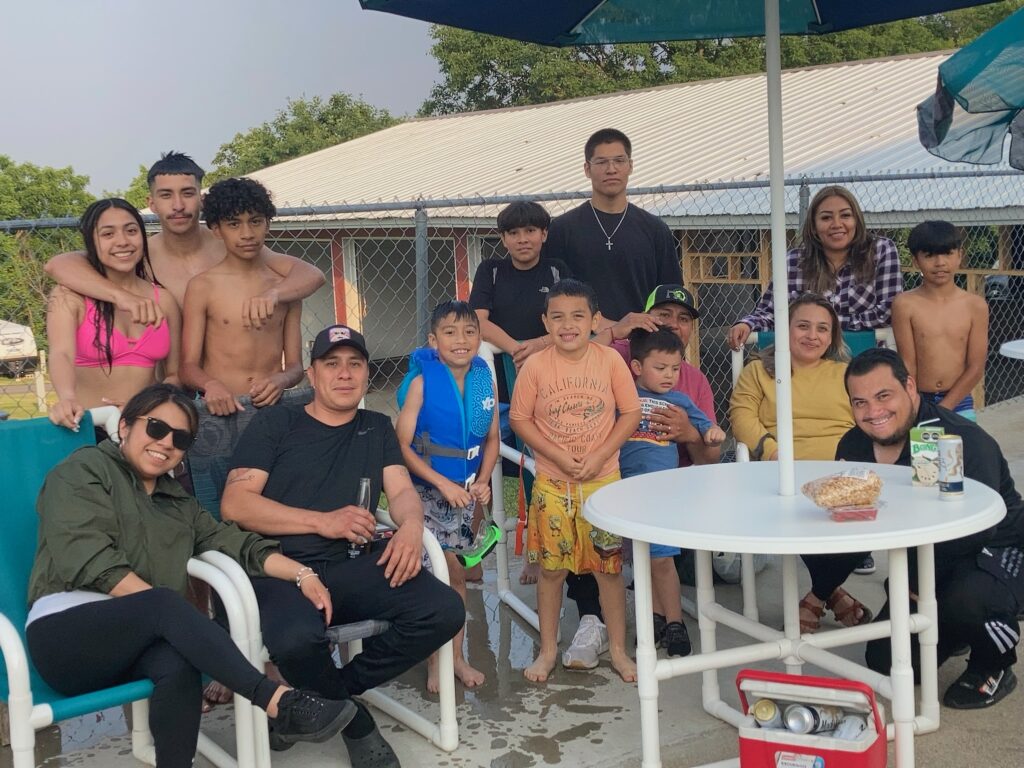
<point>450,429</point>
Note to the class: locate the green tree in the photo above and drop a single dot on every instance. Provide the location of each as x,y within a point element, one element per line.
<point>485,72</point>
<point>29,191</point>
<point>304,127</point>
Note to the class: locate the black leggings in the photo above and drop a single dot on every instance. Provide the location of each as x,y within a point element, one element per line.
<point>153,634</point>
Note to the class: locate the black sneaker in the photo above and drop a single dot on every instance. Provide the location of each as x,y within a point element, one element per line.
<point>305,716</point>
<point>866,567</point>
<point>677,640</point>
<point>276,745</point>
<point>977,690</point>
<point>659,629</point>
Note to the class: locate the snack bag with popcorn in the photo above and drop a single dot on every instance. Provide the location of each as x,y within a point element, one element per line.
<point>848,495</point>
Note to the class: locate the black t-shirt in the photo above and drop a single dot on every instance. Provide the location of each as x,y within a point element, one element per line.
<point>514,298</point>
<point>316,466</point>
<point>983,461</point>
<point>642,257</point>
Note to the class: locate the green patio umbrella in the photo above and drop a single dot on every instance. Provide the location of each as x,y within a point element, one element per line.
<point>979,99</point>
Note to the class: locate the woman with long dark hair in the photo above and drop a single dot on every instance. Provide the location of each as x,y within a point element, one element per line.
<point>106,594</point>
<point>97,354</point>
<point>859,273</point>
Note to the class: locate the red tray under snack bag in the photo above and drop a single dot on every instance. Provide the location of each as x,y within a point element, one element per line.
<point>781,748</point>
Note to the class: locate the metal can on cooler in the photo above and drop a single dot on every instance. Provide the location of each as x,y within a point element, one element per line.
<point>767,714</point>
<point>850,728</point>
<point>811,718</point>
<point>951,467</point>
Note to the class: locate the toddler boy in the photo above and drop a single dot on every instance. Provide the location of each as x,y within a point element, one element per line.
<point>656,359</point>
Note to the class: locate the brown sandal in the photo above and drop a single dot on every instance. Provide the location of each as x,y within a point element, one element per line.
<point>810,616</point>
<point>845,608</point>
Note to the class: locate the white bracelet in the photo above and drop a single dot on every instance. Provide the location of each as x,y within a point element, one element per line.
<point>302,573</point>
<point>303,577</point>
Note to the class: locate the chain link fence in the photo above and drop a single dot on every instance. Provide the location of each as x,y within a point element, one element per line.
<point>388,264</point>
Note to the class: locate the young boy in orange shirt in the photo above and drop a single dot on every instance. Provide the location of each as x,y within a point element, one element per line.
<point>574,404</point>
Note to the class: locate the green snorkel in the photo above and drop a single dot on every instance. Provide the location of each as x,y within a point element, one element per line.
<point>487,538</point>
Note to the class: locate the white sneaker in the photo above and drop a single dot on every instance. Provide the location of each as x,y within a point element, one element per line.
<point>589,642</point>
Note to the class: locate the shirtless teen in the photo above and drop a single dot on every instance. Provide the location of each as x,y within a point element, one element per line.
<point>222,355</point>
<point>180,251</point>
<point>941,330</point>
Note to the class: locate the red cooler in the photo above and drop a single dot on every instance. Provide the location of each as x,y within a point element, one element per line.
<point>781,748</point>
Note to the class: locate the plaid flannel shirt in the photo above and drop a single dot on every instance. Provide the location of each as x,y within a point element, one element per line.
<point>859,306</point>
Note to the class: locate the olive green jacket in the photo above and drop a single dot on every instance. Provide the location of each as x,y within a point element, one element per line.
<point>97,524</point>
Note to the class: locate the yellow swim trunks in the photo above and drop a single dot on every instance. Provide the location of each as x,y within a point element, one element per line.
<point>558,536</point>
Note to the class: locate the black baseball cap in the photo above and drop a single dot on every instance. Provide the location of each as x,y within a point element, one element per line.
<point>337,336</point>
<point>672,294</point>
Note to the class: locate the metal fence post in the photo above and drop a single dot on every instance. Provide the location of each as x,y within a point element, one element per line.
<point>422,276</point>
<point>805,201</point>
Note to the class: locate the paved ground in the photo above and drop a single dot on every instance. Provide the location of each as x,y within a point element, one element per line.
<point>583,719</point>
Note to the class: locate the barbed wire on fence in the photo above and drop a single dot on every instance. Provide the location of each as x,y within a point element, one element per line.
<point>388,263</point>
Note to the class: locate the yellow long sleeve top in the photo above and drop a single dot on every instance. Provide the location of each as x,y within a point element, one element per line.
<point>821,409</point>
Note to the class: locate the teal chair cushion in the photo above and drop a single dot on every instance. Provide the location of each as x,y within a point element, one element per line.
<point>29,449</point>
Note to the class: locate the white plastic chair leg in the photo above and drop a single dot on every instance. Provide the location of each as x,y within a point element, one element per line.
<point>143,747</point>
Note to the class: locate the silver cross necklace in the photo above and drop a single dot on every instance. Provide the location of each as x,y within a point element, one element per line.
<point>608,237</point>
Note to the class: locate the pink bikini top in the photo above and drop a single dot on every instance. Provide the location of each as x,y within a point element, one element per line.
<point>143,352</point>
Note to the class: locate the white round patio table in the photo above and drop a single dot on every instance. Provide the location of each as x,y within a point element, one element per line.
<point>1012,349</point>
<point>736,508</point>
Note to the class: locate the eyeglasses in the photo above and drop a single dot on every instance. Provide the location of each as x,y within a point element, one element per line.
<point>182,439</point>
<point>615,162</point>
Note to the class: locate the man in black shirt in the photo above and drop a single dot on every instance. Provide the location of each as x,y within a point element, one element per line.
<point>295,477</point>
<point>621,250</point>
<point>978,578</point>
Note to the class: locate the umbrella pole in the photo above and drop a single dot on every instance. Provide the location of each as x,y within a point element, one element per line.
<point>777,192</point>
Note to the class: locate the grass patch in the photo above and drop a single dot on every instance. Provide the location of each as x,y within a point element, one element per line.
<point>18,397</point>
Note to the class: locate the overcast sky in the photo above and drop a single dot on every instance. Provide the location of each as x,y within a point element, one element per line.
<point>104,85</point>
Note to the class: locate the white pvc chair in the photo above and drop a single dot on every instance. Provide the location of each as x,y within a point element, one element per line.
<point>31,705</point>
<point>507,525</point>
<point>443,733</point>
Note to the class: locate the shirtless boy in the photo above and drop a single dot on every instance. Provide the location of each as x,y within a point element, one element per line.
<point>221,355</point>
<point>181,250</point>
<point>941,330</point>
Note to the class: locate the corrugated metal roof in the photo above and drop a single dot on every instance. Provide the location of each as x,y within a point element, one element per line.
<point>856,117</point>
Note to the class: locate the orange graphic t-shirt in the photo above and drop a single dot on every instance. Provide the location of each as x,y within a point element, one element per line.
<point>574,403</point>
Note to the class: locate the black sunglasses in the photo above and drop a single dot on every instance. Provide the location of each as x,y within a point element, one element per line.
<point>182,439</point>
